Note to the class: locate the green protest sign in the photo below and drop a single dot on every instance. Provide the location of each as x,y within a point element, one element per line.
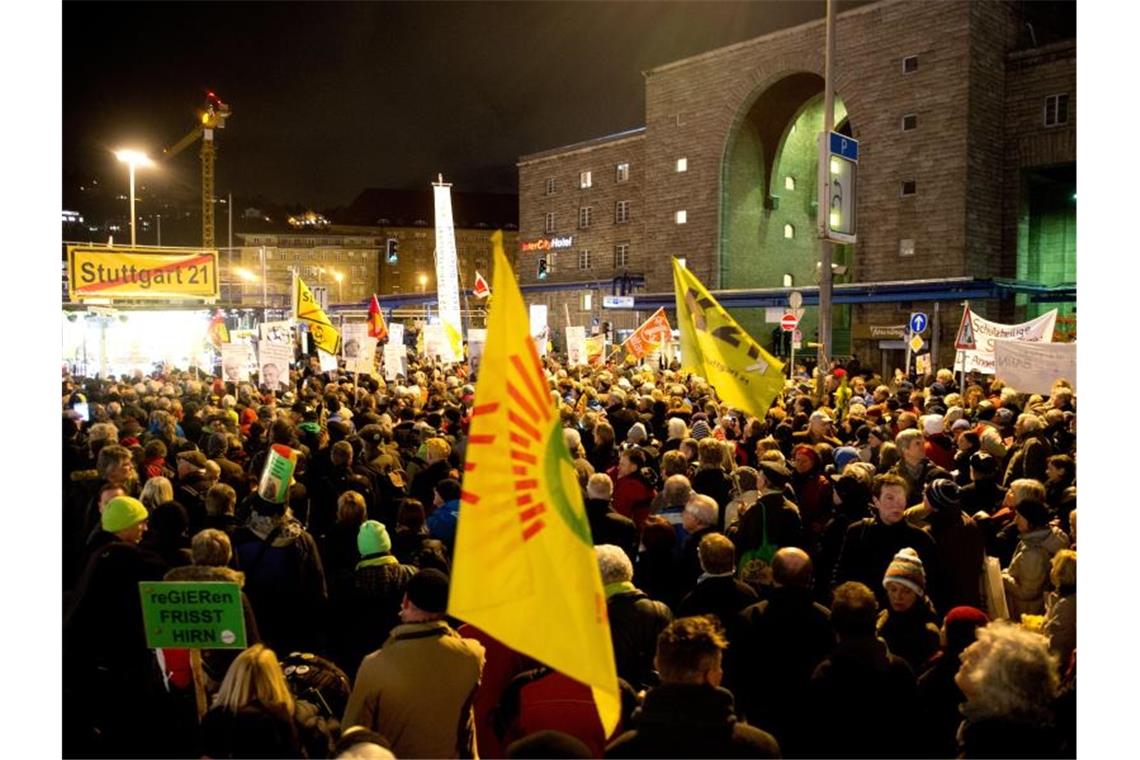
<point>189,615</point>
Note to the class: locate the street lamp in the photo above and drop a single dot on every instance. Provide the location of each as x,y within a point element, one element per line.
<point>133,158</point>
<point>339,277</point>
<point>423,282</point>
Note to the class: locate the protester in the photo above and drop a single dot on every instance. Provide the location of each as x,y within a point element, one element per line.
<point>1027,577</point>
<point>908,624</point>
<point>718,593</point>
<point>635,619</point>
<point>939,697</point>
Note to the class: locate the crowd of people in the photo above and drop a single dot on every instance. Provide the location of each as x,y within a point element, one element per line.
<point>873,569</point>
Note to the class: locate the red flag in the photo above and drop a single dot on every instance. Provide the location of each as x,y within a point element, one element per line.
<point>482,289</point>
<point>217,332</point>
<point>654,333</point>
<point>376,327</point>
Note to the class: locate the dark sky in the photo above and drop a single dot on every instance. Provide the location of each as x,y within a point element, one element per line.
<point>331,98</point>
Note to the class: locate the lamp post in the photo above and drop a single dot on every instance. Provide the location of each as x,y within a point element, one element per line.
<point>339,277</point>
<point>133,158</point>
<point>423,282</point>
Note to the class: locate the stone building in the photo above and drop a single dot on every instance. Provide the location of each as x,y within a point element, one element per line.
<point>966,118</point>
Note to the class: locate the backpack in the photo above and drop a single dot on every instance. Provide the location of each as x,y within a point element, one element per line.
<point>318,681</point>
<point>755,567</point>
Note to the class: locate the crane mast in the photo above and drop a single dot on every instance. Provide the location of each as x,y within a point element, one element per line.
<point>212,117</point>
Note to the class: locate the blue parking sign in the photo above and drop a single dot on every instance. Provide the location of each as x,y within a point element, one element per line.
<point>918,322</point>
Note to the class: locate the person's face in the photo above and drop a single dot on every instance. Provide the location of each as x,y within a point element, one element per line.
<point>625,467</point>
<point>122,472</point>
<point>271,376</point>
<point>914,452</point>
<point>891,503</point>
<point>818,427</point>
<point>134,534</point>
<point>902,597</point>
<point>802,462</point>
<point>1052,472</point>
<point>970,659</point>
<point>232,372</point>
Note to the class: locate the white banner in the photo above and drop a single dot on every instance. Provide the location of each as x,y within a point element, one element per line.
<point>235,362</point>
<point>446,266</point>
<point>280,333</point>
<point>476,340</point>
<point>1039,330</point>
<point>436,344</point>
<point>327,360</point>
<point>273,360</point>
<point>1032,367</point>
<point>363,358</point>
<point>576,345</point>
<point>395,353</point>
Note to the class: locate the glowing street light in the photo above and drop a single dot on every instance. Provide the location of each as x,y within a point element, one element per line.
<point>133,158</point>
<point>423,282</point>
<point>245,274</point>
<point>339,277</point>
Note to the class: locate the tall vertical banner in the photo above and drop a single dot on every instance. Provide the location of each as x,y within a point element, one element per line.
<point>395,353</point>
<point>447,269</point>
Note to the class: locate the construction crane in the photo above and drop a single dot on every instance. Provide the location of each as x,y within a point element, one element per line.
<point>212,117</point>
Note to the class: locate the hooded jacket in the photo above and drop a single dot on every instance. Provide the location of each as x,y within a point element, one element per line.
<point>635,622</point>
<point>1027,578</point>
<point>691,720</point>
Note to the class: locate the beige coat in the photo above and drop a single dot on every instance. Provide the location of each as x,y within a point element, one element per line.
<point>417,691</point>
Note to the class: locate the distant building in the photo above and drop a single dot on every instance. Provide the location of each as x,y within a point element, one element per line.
<point>966,118</point>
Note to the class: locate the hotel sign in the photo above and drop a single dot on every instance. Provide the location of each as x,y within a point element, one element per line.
<point>546,244</point>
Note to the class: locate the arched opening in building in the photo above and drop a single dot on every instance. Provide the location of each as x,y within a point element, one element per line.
<point>768,205</point>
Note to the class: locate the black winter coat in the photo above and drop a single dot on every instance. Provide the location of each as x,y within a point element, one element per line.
<point>691,720</point>
<point>722,596</point>
<point>635,622</point>
<point>608,527</point>
<point>870,545</point>
<point>712,481</point>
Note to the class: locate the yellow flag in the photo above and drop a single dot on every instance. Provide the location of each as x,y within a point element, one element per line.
<point>525,570</point>
<point>714,346</point>
<point>307,310</point>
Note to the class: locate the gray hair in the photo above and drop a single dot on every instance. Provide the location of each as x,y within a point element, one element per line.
<point>677,490</point>
<point>1027,488</point>
<point>906,437</point>
<point>702,508</point>
<point>614,564</point>
<point>1014,675</point>
<point>599,486</point>
<point>677,428</point>
<point>157,490</point>
<point>1031,423</point>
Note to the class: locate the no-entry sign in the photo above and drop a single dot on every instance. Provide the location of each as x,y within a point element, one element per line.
<point>189,615</point>
<point>788,322</point>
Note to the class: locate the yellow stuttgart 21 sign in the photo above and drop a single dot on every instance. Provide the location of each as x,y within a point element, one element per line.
<point>130,273</point>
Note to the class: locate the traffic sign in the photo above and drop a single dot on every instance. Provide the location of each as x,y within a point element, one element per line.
<point>918,322</point>
<point>788,322</point>
<point>838,170</point>
<point>617,302</point>
<point>916,343</point>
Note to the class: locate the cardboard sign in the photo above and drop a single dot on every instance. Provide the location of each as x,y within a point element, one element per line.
<point>279,333</point>
<point>190,615</point>
<point>476,340</point>
<point>576,345</point>
<point>273,361</point>
<point>395,353</point>
<point>235,362</point>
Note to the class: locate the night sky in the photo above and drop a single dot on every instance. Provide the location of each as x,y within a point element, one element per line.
<point>332,98</point>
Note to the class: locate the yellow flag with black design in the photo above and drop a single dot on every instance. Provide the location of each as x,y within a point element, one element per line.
<point>525,569</point>
<point>307,310</point>
<point>718,349</point>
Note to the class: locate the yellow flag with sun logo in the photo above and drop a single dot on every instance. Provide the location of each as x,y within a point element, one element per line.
<point>307,310</point>
<point>525,570</point>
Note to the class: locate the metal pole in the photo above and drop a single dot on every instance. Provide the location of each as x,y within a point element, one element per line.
<point>935,336</point>
<point>159,218</point>
<point>230,206</point>
<point>825,245</point>
<point>131,171</point>
<point>264,287</point>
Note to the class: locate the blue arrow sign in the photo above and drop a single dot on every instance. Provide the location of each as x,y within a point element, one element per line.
<point>918,322</point>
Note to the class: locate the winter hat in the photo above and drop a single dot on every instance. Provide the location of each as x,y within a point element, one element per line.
<point>984,463</point>
<point>960,424</point>
<point>938,389</point>
<point>216,445</point>
<point>1003,416</point>
<point>843,456</point>
<point>962,624</point>
<point>428,590</point>
<point>636,433</point>
<point>700,429</point>
<point>808,451</point>
<point>123,512</point>
<point>943,494</point>
<point>372,538</point>
<point>906,570</point>
<point>819,416</point>
<point>1034,512</point>
<point>932,424</point>
<point>775,473</point>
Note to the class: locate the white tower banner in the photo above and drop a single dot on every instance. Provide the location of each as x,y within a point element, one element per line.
<point>446,268</point>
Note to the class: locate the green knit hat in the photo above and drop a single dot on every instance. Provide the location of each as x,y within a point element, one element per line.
<point>373,538</point>
<point>123,512</point>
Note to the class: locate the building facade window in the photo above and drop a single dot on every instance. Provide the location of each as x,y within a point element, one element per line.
<point>586,302</point>
<point>550,257</point>
<point>908,187</point>
<point>550,185</point>
<point>621,212</point>
<point>910,64</point>
<point>789,231</point>
<point>1057,110</point>
<point>906,247</point>
<point>623,172</point>
<point>681,217</point>
<point>549,221</point>
<point>621,255</point>
<point>909,122</point>
<point>585,180</point>
<point>584,259</point>
<point>682,165</point>
<point>789,183</point>
<point>584,214</point>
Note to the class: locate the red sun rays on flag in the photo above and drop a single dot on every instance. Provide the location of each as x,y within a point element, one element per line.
<point>528,415</point>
